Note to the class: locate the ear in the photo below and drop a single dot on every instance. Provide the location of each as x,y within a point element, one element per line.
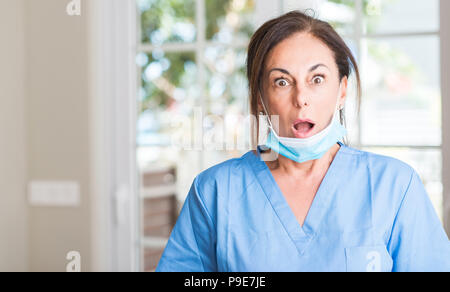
<point>259,104</point>
<point>343,90</point>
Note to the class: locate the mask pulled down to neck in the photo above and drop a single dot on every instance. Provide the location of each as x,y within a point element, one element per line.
<point>305,149</point>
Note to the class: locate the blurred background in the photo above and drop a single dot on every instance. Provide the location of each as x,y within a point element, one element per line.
<point>100,100</point>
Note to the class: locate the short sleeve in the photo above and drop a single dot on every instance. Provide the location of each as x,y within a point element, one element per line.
<point>191,246</point>
<point>418,241</point>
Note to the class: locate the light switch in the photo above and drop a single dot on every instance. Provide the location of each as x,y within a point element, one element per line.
<point>54,193</point>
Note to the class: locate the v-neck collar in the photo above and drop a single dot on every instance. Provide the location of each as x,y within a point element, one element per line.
<point>300,235</point>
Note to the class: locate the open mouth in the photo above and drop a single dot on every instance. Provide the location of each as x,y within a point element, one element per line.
<point>303,129</point>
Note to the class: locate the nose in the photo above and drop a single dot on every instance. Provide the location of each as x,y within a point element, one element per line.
<point>300,99</point>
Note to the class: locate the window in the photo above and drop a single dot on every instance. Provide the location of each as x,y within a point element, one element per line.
<point>191,57</point>
<point>396,43</point>
<point>192,54</point>
<point>400,60</point>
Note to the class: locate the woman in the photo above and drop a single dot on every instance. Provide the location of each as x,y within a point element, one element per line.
<point>319,205</point>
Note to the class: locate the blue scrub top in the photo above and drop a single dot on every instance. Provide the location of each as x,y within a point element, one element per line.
<point>370,213</point>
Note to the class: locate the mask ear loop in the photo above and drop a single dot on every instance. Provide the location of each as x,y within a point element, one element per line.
<point>273,154</point>
<point>265,111</point>
<point>338,107</point>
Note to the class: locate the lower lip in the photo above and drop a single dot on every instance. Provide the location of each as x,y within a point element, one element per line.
<point>298,134</point>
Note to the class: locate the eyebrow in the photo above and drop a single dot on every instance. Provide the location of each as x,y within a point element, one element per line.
<point>287,72</point>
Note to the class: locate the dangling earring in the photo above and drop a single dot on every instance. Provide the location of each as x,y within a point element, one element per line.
<point>341,114</point>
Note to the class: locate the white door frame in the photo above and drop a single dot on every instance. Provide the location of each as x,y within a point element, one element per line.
<point>113,87</point>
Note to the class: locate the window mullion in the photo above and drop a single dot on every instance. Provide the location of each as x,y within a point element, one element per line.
<point>358,33</point>
<point>401,34</point>
<point>168,47</point>
<point>281,7</point>
<point>200,20</point>
<point>445,100</point>
<point>418,147</point>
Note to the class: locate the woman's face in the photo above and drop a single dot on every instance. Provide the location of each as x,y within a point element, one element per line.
<point>301,81</point>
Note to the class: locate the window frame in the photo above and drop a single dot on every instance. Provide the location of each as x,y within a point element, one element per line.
<point>445,93</point>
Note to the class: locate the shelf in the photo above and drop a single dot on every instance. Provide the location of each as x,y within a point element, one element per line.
<point>154,242</point>
<point>158,168</point>
<point>158,191</point>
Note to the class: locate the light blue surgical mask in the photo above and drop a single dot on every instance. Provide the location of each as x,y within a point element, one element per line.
<point>305,149</point>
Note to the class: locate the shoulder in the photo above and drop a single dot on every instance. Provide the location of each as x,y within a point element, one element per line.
<point>386,180</point>
<point>386,175</point>
<point>233,166</point>
<point>230,175</point>
<point>378,163</point>
<point>214,185</point>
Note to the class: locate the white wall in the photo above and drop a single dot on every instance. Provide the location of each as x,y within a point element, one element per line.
<point>46,133</point>
<point>13,223</point>
<point>58,129</point>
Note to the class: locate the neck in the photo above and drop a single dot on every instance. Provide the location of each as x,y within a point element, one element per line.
<point>304,169</point>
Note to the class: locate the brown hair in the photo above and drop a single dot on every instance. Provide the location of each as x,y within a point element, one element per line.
<point>278,29</point>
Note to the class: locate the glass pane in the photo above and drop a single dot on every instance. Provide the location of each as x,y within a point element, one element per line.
<point>427,163</point>
<point>228,21</point>
<point>394,16</point>
<point>227,85</point>
<point>165,21</point>
<point>401,98</point>
<point>352,45</point>
<point>227,94</point>
<point>167,105</point>
<point>339,13</point>
<point>168,89</point>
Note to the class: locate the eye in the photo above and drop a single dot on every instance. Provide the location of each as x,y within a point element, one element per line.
<point>281,82</point>
<point>318,79</point>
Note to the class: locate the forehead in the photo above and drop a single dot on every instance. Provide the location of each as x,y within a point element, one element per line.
<point>299,52</point>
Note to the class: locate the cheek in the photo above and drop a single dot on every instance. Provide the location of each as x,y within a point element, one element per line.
<point>281,121</point>
<point>324,116</point>
<point>277,106</point>
<point>323,111</point>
